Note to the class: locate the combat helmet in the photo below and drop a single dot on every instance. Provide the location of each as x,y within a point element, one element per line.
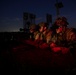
<point>32,26</point>
<point>43,24</point>
<point>65,20</point>
<point>61,21</point>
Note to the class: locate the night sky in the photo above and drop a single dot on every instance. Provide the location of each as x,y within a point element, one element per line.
<point>11,12</point>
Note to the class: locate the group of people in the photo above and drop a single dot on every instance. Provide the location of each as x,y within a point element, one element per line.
<point>59,38</point>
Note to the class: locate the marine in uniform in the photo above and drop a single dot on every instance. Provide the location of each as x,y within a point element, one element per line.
<point>41,36</point>
<point>61,36</point>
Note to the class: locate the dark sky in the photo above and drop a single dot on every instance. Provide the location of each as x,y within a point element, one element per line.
<point>11,12</point>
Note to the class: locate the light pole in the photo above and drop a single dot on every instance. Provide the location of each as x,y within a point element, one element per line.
<point>57,8</point>
<point>58,5</point>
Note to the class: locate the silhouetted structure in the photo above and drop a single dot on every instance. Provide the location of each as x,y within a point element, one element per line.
<point>58,5</point>
<point>28,19</point>
<point>48,18</point>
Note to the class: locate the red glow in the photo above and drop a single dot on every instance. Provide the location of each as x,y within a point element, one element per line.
<point>56,49</point>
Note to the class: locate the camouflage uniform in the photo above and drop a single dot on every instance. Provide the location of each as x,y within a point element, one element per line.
<point>71,38</point>
<point>45,35</point>
<point>48,36</point>
<point>41,34</point>
<point>67,38</point>
<point>32,30</point>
